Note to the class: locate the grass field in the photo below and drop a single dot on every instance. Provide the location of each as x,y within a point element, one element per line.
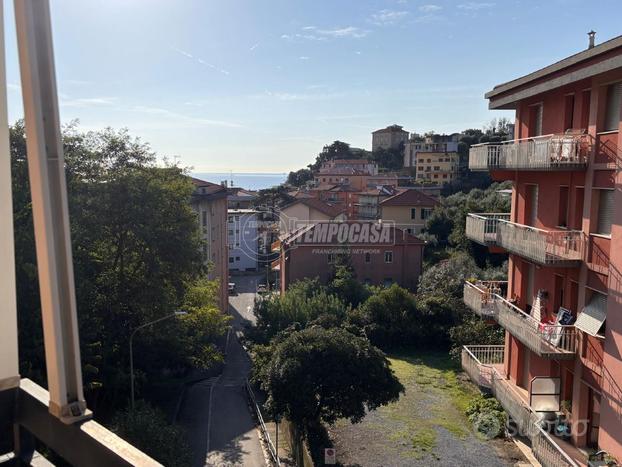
<point>427,426</point>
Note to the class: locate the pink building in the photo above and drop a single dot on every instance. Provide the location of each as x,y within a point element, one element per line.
<point>562,305</point>
<point>394,257</point>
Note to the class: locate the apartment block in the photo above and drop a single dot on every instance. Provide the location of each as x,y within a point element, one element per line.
<point>243,239</point>
<point>436,168</point>
<point>429,143</point>
<point>559,373</point>
<point>209,200</point>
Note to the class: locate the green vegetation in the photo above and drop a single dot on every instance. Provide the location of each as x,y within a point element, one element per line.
<point>135,242</point>
<point>487,416</point>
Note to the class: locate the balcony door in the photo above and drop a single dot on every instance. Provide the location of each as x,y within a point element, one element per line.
<point>531,204</point>
<point>535,120</point>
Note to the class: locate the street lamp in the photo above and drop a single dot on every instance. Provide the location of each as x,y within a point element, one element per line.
<point>177,313</point>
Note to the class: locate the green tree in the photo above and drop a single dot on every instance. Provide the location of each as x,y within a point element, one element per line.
<point>312,373</point>
<point>474,330</point>
<point>335,150</point>
<point>390,159</point>
<point>299,177</point>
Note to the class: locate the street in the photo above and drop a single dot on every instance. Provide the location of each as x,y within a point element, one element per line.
<point>221,428</point>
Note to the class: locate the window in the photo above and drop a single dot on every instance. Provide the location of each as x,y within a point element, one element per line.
<point>330,258</point>
<point>230,219</point>
<point>230,232</point>
<point>605,212</point>
<point>562,215</point>
<point>425,213</point>
<point>204,218</point>
<point>585,108</point>
<point>237,258</point>
<point>367,257</point>
<point>535,120</point>
<point>444,175</point>
<point>413,213</point>
<point>388,256</point>
<point>231,259</point>
<point>612,111</point>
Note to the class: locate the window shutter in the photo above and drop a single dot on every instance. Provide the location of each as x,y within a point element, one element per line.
<point>614,102</point>
<point>539,120</point>
<point>605,212</point>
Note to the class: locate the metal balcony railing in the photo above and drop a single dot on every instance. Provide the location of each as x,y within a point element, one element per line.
<point>546,247</point>
<point>480,363</point>
<point>482,228</point>
<point>550,152</point>
<point>547,340</point>
<point>480,296</point>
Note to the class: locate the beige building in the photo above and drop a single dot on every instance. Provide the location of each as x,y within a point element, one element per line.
<point>429,143</point>
<point>388,138</point>
<point>209,200</point>
<point>409,209</point>
<point>437,168</point>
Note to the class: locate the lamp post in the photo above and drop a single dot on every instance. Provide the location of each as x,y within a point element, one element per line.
<point>177,313</point>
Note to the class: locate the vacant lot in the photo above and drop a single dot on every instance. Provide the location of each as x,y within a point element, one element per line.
<point>425,427</point>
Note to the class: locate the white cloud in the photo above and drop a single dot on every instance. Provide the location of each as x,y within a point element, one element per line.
<point>476,5</point>
<point>86,101</point>
<point>313,33</point>
<point>386,17</point>
<point>254,46</point>
<point>430,8</point>
<point>200,60</point>
<point>303,57</point>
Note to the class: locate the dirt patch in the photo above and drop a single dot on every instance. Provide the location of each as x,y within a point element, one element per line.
<point>427,426</point>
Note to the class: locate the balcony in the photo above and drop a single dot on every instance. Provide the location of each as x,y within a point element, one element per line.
<point>546,247</point>
<point>543,153</point>
<point>482,228</point>
<point>480,297</point>
<point>484,365</point>
<point>546,340</point>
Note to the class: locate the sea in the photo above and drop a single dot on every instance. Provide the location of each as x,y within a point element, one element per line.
<point>250,181</point>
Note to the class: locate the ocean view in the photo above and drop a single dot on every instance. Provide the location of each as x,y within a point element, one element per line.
<point>250,181</point>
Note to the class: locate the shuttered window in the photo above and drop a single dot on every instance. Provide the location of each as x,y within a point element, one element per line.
<point>614,102</point>
<point>539,120</point>
<point>605,212</point>
<point>593,316</point>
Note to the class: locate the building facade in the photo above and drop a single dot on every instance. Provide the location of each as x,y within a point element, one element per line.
<point>388,138</point>
<point>429,143</point>
<point>368,206</point>
<point>398,258</point>
<point>305,211</point>
<point>437,168</point>
<point>562,305</point>
<point>209,200</point>
<point>361,165</point>
<point>243,238</point>
<point>408,209</point>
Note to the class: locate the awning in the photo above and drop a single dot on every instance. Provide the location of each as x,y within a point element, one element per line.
<point>593,316</point>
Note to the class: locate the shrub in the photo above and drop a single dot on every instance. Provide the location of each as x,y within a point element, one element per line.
<point>147,428</point>
<point>487,416</point>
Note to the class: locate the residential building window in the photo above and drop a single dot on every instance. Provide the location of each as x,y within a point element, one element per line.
<point>444,175</point>
<point>612,111</point>
<point>413,213</point>
<point>605,212</point>
<point>367,257</point>
<point>425,213</point>
<point>237,258</point>
<point>230,232</point>
<point>330,258</point>
<point>230,219</point>
<point>231,259</point>
<point>388,256</point>
<point>204,218</point>
<point>568,111</point>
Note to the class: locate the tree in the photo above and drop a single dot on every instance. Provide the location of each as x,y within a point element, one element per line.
<point>312,373</point>
<point>300,177</point>
<point>390,159</point>
<point>345,285</point>
<point>336,150</point>
<point>474,329</point>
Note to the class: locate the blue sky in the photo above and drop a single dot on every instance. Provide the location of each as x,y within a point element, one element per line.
<point>262,85</point>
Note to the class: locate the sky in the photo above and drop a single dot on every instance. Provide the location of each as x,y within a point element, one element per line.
<point>262,85</point>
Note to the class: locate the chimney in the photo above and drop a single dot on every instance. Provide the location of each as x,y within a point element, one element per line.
<point>592,36</point>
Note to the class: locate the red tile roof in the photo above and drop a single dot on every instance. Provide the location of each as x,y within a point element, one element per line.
<point>314,203</point>
<point>410,197</point>
<point>208,188</point>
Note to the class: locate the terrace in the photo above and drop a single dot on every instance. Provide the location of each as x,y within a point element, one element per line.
<point>483,364</point>
<point>541,153</point>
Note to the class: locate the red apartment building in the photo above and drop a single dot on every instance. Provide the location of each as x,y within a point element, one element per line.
<point>562,305</point>
<point>396,258</point>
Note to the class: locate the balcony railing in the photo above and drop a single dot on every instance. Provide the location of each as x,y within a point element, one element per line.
<point>480,297</point>
<point>547,340</point>
<point>482,228</point>
<point>481,363</point>
<point>550,152</point>
<point>546,247</point>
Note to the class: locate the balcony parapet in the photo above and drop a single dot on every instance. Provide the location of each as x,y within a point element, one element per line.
<point>547,340</point>
<point>541,153</point>
<point>482,363</point>
<point>545,247</point>
<point>480,296</point>
<point>482,227</point>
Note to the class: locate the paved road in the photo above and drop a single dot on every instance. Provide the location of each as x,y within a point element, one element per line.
<point>216,412</point>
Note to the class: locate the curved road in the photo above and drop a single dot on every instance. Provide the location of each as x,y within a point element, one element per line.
<point>216,413</point>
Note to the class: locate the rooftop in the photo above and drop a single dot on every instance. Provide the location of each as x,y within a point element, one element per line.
<point>313,203</point>
<point>411,197</point>
<point>391,129</point>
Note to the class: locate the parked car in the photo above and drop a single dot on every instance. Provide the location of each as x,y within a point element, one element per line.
<point>231,288</point>
<point>262,289</point>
